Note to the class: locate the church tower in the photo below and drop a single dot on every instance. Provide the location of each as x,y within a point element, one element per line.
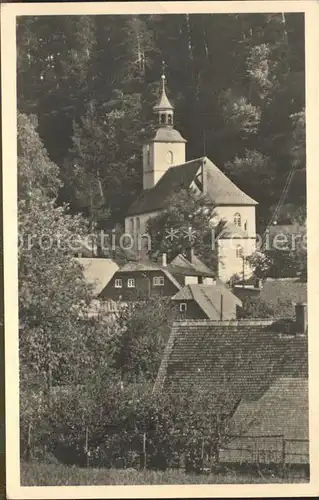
<point>167,148</point>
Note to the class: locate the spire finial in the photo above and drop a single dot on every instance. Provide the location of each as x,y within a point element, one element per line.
<point>163,77</point>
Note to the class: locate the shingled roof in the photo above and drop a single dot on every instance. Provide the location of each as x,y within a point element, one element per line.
<point>219,189</point>
<point>211,298</point>
<point>245,351</point>
<point>258,363</point>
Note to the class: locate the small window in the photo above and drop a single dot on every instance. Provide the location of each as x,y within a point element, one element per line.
<point>112,306</point>
<point>237,219</point>
<point>183,307</point>
<point>245,226</point>
<point>138,223</point>
<point>163,118</point>
<point>118,283</point>
<point>132,225</point>
<point>131,283</point>
<point>158,280</point>
<point>170,119</point>
<point>170,157</point>
<point>239,252</point>
<point>200,280</point>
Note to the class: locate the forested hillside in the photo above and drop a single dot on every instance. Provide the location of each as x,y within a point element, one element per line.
<point>237,83</point>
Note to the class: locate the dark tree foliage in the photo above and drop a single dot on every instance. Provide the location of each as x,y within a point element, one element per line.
<point>237,83</point>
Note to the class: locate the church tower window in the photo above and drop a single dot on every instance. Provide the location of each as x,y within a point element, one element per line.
<point>237,219</point>
<point>170,157</point>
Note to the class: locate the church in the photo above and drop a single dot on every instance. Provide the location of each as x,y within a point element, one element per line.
<point>165,168</point>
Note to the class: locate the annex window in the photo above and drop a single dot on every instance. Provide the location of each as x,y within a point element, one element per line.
<point>138,223</point>
<point>237,219</point>
<point>239,252</point>
<point>131,283</point>
<point>118,283</point>
<point>169,157</point>
<point>183,307</point>
<point>158,280</point>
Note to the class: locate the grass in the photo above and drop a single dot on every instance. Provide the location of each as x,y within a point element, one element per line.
<point>39,474</point>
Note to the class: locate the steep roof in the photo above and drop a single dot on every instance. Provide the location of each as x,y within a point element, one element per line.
<point>281,294</point>
<point>209,298</point>
<point>249,354</point>
<point>218,188</point>
<point>156,198</point>
<point>98,272</point>
<point>195,263</point>
<point>261,371</point>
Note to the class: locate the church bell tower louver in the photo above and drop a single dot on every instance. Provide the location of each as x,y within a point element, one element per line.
<point>168,147</point>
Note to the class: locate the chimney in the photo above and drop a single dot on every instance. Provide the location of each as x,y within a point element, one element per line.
<point>164,260</point>
<point>189,254</point>
<point>301,317</point>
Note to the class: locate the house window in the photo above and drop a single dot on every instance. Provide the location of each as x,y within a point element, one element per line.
<point>169,157</point>
<point>158,280</point>
<point>237,219</point>
<point>239,252</point>
<point>118,283</point>
<point>131,283</point>
<point>183,307</point>
<point>112,306</point>
<point>138,223</point>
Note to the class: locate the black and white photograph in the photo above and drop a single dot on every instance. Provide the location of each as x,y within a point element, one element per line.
<point>159,241</point>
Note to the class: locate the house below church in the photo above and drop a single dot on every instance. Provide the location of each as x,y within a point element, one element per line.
<point>166,170</point>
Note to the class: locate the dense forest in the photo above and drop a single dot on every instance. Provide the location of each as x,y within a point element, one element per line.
<point>236,81</point>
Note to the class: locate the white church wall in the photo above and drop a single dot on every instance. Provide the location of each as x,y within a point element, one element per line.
<point>230,261</point>
<point>247,215</point>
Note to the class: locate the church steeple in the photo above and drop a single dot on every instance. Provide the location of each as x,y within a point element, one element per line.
<point>164,109</point>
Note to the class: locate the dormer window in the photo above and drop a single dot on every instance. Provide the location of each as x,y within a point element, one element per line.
<point>237,219</point>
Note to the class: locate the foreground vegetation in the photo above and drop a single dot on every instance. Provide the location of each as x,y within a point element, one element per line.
<point>37,474</point>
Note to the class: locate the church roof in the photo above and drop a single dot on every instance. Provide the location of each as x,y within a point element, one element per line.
<point>217,187</point>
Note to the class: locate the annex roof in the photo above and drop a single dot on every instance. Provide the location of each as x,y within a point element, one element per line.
<point>214,300</point>
<point>280,293</point>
